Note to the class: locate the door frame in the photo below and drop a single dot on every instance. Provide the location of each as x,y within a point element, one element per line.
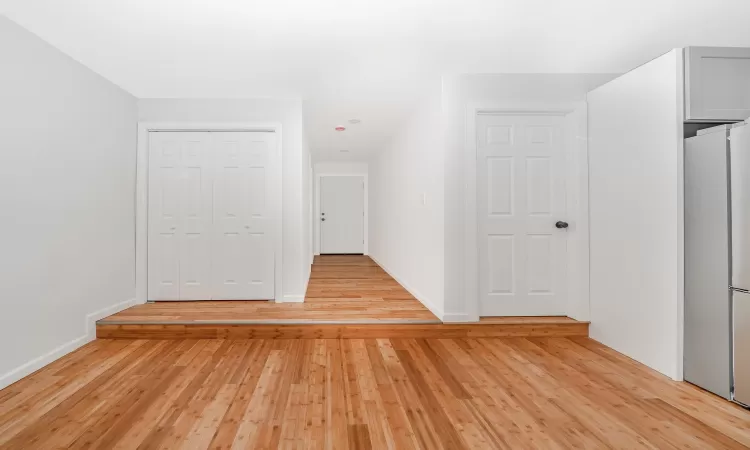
<point>576,196</point>
<point>141,194</point>
<point>316,209</point>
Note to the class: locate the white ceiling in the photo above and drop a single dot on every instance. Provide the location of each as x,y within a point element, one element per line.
<point>365,59</point>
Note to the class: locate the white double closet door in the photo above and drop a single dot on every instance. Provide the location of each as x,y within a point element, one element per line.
<point>210,211</point>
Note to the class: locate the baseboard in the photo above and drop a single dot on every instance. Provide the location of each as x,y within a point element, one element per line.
<point>90,334</point>
<point>102,313</point>
<point>298,298</point>
<point>422,299</point>
<point>37,363</point>
<point>457,318</point>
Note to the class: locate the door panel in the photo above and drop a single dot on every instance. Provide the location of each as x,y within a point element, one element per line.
<point>243,256</point>
<point>708,317</point>
<point>196,236</point>
<point>521,194</point>
<point>342,207</point>
<point>179,216</point>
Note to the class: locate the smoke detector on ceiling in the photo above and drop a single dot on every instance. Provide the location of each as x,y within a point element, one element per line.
<point>354,121</point>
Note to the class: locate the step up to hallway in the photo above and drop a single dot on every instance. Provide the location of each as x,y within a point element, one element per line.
<point>347,297</point>
<point>286,329</point>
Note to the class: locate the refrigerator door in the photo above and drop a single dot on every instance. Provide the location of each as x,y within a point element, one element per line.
<point>739,138</point>
<point>741,302</point>
<point>708,318</point>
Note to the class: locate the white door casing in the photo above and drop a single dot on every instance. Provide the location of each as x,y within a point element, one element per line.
<point>342,211</point>
<point>521,176</point>
<point>243,255</point>
<point>180,208</point>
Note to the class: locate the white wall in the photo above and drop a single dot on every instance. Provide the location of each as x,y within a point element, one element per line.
<point>406,205</point>
<point>334,168</point>
<point>636,210</point>
<point>68,177</point>
<point>509,91</point>
<point>294,190</point>
<point>307,206</point>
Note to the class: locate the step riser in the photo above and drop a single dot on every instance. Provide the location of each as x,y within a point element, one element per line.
<point>309,331</point>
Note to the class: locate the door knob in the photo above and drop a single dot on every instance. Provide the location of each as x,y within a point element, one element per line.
<point>323,219</point>
<point>561,224</point>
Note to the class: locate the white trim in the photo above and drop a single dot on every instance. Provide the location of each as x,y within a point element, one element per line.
<point>311,213</point>
<point>141,193</point>
<point>37,363</point>
<point>316,212</point>
<point>680,231</point>
<point>576,180</point>
<point>102,313</point>
<point>438,312</point>
<point>456,318</point>
<point>289,298</point>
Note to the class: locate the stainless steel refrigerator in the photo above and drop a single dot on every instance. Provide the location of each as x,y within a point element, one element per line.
<point>717,261</point>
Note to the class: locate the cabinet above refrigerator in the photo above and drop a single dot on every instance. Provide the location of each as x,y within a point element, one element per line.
<point>717,84</point>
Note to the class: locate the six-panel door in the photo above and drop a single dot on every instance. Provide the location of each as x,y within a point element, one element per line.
<point>520,197</point>
<point>179,245</point>
<point>209,220</point>
<point>243,257</point>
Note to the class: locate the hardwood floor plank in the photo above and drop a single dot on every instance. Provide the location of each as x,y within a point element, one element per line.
<point>447,434</point>
<point>393,409</point>
<point>336,410</point>
<point>416,413</point>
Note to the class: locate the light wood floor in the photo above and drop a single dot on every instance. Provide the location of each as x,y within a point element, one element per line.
<point>361,393</point>
<point>341,288</point>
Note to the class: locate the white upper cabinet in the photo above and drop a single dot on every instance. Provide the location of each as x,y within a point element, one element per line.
<point>717,84</point>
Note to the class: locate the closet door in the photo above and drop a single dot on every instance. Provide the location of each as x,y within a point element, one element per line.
<point>243,255</point>
<point>179,241</point>
<point>197,219</point>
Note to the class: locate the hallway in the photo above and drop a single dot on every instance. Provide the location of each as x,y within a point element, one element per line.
<point>342,289</point>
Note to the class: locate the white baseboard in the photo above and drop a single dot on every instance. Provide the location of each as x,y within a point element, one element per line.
<point>102,313</point>
<point>37,363</point>
<point>457,318</point>
<point>290,298</point>
<point>422,299</point>
<point>297,298</point>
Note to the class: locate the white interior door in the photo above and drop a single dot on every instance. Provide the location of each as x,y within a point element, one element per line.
<point>342,211</point>
<point>243,254</point>
<point>180,205</point>
<point>520,198</point>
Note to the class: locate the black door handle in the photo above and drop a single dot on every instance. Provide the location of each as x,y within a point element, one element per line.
<point>561,224</point>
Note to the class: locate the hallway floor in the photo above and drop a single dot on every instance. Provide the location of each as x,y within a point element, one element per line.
<point>511,393</point>
<point>341,289</point>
